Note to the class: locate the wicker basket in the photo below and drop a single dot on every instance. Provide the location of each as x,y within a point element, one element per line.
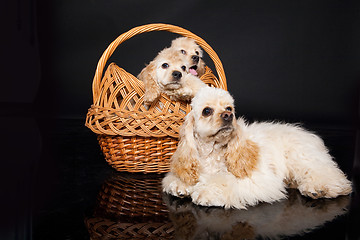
<point>130,207</point>
<point>133,138</point>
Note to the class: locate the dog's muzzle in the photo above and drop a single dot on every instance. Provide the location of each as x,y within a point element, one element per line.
<point>227,126</point>
<point>227,117</point>
<point>176,75</point>
<point>195,58</point>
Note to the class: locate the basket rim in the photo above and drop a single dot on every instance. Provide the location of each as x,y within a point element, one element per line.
<point>97,113</point>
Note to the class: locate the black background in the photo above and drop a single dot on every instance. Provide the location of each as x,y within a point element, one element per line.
<point>294,61</point>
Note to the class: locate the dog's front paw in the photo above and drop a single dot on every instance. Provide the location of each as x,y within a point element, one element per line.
<point>174,186</point>
<point>150,96</point>
<point>208,196</point>
<point>217,196</point>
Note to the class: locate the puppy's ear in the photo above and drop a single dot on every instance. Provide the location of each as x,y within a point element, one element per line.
<point>201,69</point>
<point>152,90</point>
<point>184,162</point>
<point>242,155</point>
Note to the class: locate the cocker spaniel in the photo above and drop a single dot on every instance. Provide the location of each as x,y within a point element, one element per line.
<point>172,73</point>
<point>192,53</point>
<point>221,161</point>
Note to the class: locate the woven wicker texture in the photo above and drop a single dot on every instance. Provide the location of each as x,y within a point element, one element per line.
<point>138,154</point>
<point>121,108</point>
<point>100,229</point>
<point>132,196</point>
<point>130,207</point>
<point>118,110</point>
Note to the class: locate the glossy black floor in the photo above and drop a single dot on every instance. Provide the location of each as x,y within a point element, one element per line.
<point>76,195</point>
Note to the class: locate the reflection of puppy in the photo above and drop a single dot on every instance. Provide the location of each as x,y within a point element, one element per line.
<point>296,215</point>
<point>192,53</point>
<point>167,73</point>
<point>221,161</point>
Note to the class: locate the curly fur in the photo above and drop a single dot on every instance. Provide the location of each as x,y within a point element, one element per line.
<point>185,164</point>
<point>223,161</point>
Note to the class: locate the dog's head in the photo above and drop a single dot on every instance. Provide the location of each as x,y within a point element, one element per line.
<point>211,122</point>
<point>170,69</point>
<point>213,114</point>
<point>192,53</point>
<point>165,73</point>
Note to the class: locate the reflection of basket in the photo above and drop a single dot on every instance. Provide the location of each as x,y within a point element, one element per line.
<point>132,195</point>
<point>130,207</point>
<point>133,138</point>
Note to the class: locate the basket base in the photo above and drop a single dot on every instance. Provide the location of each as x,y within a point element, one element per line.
<point>138,154</point>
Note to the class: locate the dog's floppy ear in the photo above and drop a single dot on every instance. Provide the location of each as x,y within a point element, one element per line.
<point>201,69</point>
<point>242,155</point>
<point>184,162</point>
<point>152,90</point>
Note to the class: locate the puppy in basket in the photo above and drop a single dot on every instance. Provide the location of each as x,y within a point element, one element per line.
<point>172,72</point>
<point>221,161</point>
<point>193,54</point>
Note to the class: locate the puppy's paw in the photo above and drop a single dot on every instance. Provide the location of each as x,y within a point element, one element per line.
<point>174,186</point>
<point>150,96</point>
<point>208,196</point>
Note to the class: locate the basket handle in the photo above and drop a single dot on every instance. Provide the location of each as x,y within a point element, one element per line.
<point>149,28</point>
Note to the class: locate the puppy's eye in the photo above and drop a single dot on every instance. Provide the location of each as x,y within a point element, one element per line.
<point>197,53</point>
<point>183,51</point>
<point>229,109</point>
<point>183,68</point>
<point>207,111</point>
<point>165,65</point>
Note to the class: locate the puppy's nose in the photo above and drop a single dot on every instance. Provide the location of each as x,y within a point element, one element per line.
<point>227,116</point>
<point>176,75</point>
<point>195,58</point>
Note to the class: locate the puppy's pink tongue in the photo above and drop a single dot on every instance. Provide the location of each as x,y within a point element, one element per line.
<point>193,71</point>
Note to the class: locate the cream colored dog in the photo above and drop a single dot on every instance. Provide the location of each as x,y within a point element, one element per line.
<point>192,53</point>
<point>221,161</point>
<point>169,73</point>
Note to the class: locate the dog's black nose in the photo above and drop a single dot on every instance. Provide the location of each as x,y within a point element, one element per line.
<point>195,58</point>
<point>176,75</point>
<point>227,116</point>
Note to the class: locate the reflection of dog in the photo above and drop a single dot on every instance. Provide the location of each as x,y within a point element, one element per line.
<point>193,54</point>
<point>296,215</point>
<point>168,73</point>
<point>221,161</point>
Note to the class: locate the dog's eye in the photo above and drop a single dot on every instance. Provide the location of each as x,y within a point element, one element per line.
<point>207,111</point>
<point>229,109</point>
<point>196,52</point>
<point>165,65</point>
<point>183,68</point>
<point>183,51</point>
